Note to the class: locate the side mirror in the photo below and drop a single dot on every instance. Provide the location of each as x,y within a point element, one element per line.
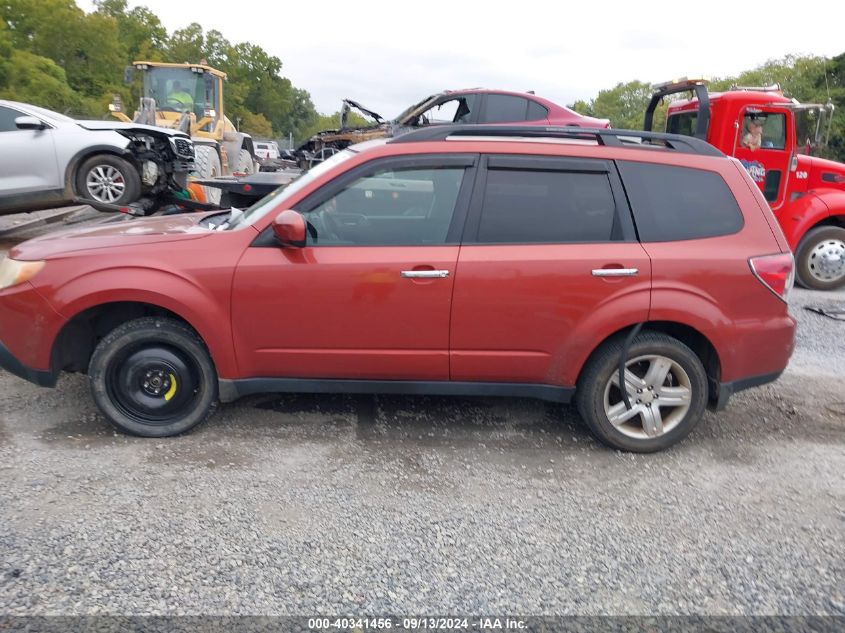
<point>128,75</point>
<point>289,228</point>
<point>29,123</point>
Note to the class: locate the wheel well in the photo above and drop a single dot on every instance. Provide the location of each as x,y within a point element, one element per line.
<point>833,220</point>
<point>79,336</point>
<point>689,336</point>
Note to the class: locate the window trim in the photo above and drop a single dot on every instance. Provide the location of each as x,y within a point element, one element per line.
<point>469,162</point>
<point>564,164</point>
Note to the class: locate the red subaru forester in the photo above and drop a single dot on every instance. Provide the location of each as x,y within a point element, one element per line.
<point>641,274</point>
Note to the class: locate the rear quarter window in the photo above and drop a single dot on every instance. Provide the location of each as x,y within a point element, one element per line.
<point>673,203</point>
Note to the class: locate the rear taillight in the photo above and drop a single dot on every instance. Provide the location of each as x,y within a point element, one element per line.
<point>776,272</point>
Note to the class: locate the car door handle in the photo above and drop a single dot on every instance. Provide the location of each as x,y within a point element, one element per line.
<point>425,274</point>
<point>615,272</point>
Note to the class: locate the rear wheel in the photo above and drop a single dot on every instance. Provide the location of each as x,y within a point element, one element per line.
<point>108,178</point>
<point>666,387</point>
<point>820,259</point>
<point>153,377</point>
<point>245,164</point>
<point>207,165</point>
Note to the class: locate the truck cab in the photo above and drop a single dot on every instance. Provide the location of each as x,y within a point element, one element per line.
<point>775,138</point>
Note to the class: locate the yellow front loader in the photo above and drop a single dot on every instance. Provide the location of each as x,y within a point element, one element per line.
<point>189,97</point>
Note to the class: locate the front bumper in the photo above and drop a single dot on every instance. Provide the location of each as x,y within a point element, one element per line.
<point>40,377</point>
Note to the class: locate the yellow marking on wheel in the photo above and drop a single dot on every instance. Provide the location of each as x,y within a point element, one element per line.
<point>172,391</point>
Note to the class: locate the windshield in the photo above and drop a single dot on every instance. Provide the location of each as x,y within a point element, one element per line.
<point>272,201</point>
<point>181,90</point>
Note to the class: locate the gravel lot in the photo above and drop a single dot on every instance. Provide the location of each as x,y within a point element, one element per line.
<point>373,505</point>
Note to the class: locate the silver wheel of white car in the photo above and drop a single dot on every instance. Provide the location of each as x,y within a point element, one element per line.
<point>110,179</point>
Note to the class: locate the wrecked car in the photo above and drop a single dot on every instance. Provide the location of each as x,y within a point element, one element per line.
<point>50,160</point>
<point>475,105</point>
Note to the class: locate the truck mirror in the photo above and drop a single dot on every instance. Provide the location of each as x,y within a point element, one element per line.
<point>128,75</point>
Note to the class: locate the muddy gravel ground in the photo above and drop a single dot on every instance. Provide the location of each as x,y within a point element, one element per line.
<point>374,505</point>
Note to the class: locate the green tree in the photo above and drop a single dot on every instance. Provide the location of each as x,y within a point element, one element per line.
<point>139,29</point>
<point>624,105</point>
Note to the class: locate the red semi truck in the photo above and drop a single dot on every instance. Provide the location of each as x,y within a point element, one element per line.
<point>774,137</point>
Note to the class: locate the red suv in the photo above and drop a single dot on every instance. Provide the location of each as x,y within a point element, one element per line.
<point>641,274</point>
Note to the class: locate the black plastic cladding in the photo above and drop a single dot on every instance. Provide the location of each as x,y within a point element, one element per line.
<point>604,136</point>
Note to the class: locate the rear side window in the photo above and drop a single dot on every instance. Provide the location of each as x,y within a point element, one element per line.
<point>504,108</point>
<point>524,206</point>
<point>679,203</point>
<point>536,111</point>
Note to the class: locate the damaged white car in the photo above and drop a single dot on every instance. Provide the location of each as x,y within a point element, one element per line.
<point>50,160</point>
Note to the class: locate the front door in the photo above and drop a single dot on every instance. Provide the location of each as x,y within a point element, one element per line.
<point>764,146</point>
<point>370,294</point>
<point>28,161</point>
<point>549,267</point>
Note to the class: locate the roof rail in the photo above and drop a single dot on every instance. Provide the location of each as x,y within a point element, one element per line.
<point>603,136</point>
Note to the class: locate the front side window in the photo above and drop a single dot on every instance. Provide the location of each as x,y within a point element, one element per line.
<point>457,110</point>
<point>762,130</point>
<point>504,109</point>
<point>525,206</point>
<point>7,119</point>
<point>403,206</point>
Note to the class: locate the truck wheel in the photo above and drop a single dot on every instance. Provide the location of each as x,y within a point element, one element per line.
<point>153,377</point>
<point>666,386</point>
<point>207,165</point>
<point>820,258</point>
<point>245,164</point>
<point>108,178</point>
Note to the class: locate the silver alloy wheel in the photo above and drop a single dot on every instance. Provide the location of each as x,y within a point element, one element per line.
<point>660,394</point>
<point>105,183</point>
<point>827,260</point>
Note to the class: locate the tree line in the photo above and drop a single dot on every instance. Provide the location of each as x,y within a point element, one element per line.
<point>55,55</point>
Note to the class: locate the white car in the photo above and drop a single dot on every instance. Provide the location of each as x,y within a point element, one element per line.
<point>48,160</point>
<point>267,150</point>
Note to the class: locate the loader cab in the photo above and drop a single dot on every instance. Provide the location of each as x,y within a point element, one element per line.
<point>195,90</point>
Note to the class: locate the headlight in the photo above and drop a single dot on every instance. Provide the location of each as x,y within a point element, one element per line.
<point>14,272</point>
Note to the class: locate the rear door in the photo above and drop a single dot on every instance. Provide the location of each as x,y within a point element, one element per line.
<point>28,161</point>
<point>549,266</point>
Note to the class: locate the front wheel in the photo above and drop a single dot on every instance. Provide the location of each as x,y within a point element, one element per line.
<point>153,377</point>
<point>666,387</point>
<point>206,166</point>
<point>110,179</point>
<point>820,258</point>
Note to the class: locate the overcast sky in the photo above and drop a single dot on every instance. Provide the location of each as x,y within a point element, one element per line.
<point>387,55</point>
